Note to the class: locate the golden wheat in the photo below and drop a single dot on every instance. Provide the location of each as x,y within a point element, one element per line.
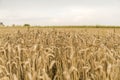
<point>59,54</point>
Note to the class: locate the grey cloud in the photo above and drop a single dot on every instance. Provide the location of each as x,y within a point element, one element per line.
<point>60,11</point>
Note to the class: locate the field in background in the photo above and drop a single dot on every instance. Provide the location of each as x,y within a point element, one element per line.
<point>59,53</point>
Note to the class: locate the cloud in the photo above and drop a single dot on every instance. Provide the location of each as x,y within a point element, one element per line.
<point>60,12</point>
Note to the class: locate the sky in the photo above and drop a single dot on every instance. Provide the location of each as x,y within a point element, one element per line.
<point>60,12</point>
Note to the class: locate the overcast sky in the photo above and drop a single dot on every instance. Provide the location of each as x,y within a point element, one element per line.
<point>60,12</point>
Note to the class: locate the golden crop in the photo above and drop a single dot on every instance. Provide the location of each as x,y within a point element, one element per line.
<point>59,54</point>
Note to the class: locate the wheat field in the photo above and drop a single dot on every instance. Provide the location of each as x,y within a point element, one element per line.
<point>59,54</point>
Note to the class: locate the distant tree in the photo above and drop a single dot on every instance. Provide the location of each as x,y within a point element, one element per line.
<point>1,24</point>
<point>13,25</point>
<point>27,25</point>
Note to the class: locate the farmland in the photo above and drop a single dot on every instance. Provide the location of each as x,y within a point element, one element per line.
<point>59,53</point>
